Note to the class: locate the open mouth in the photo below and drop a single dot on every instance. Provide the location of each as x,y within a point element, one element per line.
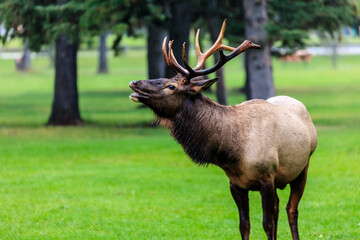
<point>138,95</point>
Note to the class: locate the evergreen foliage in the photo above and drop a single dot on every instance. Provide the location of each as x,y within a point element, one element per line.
<point>290,20</point>
<point>42,21</point>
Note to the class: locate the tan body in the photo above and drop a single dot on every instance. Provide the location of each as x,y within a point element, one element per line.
<point>275,139</point>
<point>270,139</point>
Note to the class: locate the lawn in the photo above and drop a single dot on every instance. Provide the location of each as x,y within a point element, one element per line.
<point>117,177</point>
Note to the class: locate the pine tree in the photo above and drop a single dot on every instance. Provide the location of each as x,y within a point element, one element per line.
<point>64,22</point>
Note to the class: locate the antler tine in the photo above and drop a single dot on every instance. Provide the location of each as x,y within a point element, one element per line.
<point>215,47</point>
<point>221,34</point>
<point>170,59</point>
<point>166,57</point>
<point>197,44</point>
<point>174,63</point>
<point>169,53</point>
<point>187,66</point>
<point>225,58</point>
<point>164,52</point>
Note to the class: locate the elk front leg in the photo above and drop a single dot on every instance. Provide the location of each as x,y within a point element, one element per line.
<point>276,214</point>
<point>242,201</point>
<point>297,189</point>
<point>268,193</point>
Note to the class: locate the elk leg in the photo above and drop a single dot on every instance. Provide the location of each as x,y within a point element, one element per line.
<point>268,193</point>
<point>241,198</point>
<point>276,214</point>
<point>297,188</point>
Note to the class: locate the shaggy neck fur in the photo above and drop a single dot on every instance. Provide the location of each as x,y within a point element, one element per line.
<point>194,127</point>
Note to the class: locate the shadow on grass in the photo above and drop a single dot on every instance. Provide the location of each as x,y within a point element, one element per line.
<point>86,123</point>
<point>152,124</point>
<point>311,90</point>
<point>106,94</point>
<point>112,109</point>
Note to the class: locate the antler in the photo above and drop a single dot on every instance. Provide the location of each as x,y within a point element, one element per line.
<point>189,72</point>
<point>215,47</point>
<point>171,60</point>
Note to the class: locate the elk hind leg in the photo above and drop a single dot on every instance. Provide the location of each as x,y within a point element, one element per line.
<point>297,189</point>
<point>241,198</point>
<point>268,199</point>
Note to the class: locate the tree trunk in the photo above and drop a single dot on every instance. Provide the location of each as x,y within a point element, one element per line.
<point>334,54</point>
<point>259,79</point>
<point>179,30</point>
<point>24,63</point>
<point>221,94</point>
<point>156,63</point>
<point>214,26</point>
<point>65,107</point>
<point>51,53</point>
<point>103,66</point>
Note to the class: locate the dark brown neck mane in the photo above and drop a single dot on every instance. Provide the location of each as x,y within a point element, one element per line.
<point>194,128</point>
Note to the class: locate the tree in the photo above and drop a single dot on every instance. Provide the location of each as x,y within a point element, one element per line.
<point>221,93</point>
<point>211,14</point>
<point>214,23</point>
<point>162,19</point>
<point>291,28</point>
<point>24,63</point>
<point>287,23</point>
<point>154,14</point>
<point>67,22</point>
<point>103,66</point>
<point>327,17</point>
<point>44,22</point>
<point>179,29</point>
<point>259,79</point>
<point>65,107</point>
<point>156,63</point>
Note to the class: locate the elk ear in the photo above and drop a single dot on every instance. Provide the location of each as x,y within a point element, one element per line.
<point>202,85</point>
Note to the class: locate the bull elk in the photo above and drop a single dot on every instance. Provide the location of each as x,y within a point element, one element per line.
<point>261,145</point>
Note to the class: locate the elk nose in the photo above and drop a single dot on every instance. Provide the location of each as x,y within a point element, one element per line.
<point>133,83</point>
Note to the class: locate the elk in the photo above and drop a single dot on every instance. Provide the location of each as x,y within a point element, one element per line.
<point>261,145</point>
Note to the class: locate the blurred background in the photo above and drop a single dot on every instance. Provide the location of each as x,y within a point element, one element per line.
<point>80,160</point>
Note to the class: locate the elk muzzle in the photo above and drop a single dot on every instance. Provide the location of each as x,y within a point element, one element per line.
<point>138,94</point>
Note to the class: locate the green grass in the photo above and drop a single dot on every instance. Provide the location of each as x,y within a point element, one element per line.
<point>115,178</point>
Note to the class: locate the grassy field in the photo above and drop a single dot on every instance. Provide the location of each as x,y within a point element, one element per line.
<point>116,178</point>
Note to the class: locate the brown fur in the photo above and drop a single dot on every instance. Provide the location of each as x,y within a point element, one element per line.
<point>260,145</point>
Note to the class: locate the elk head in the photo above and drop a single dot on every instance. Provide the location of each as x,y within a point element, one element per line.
<point>166,96</point>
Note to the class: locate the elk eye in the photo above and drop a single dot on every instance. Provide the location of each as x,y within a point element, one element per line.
<point>171,87</point>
